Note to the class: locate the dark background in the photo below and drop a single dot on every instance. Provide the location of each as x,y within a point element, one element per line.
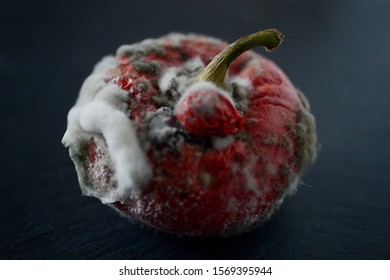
<point>336,52</point>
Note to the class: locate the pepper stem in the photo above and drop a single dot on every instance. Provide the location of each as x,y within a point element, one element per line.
<point>216,70</point>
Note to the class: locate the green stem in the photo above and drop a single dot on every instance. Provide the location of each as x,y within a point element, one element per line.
<point>216,71</point>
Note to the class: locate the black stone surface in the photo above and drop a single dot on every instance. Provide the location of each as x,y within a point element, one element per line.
<point>336,52</point>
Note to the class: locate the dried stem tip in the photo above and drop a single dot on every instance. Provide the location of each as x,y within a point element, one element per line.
<point>216,70</point>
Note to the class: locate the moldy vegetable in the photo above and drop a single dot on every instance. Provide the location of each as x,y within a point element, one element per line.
<point>191,136</point>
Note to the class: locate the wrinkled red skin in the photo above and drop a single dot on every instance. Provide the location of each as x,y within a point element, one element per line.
<point>205,191</point>
<point>221,119</point>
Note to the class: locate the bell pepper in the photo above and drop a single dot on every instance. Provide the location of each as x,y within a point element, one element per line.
<point>190,135</point>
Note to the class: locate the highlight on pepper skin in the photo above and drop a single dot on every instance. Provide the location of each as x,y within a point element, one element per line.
<point>207,110</point>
